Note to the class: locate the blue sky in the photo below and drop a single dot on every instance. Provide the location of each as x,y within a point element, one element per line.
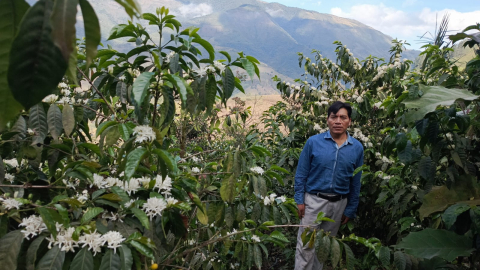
<point>402,19</point>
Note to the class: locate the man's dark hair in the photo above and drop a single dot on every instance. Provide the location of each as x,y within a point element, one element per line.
<point>337,105</point>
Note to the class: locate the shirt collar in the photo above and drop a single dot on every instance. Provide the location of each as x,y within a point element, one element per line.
<point>329,136</point>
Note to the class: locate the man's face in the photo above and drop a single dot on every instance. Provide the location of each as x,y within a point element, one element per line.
<point>338,122</point>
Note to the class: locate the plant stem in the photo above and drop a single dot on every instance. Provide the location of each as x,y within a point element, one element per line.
<point>96,90</point>
<point>30,186</point>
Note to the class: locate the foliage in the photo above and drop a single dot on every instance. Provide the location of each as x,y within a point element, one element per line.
<point>121,160</point>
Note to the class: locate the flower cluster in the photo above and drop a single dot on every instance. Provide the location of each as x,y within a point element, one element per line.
<point>219,65</point>
<point>11,162</point>
<point>257,170</point>
<point>154,206</point>
<point>94,241</point>
<point>64,239</point>
<point>144,134</point>
<point>10,178</point>
<point>163,185</point>
<point>10,203</point>
<point>360,136</point>
<point>34,225</point>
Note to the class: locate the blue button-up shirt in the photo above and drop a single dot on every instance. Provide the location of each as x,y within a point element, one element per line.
<point>328,168</point>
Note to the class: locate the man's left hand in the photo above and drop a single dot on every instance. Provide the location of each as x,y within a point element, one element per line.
<point>345,219</point>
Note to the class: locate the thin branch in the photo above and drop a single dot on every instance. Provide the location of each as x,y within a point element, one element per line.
<point>31,186</point>
<point>96,90</point>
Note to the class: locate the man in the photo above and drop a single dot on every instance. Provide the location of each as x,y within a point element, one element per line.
<point>324,181</point>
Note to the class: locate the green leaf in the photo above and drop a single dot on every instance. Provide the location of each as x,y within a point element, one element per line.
<point>143,249</point>
<point>38,122</point>
<point>228,83</point>
<point>103,126</point>
<point>399,260</point>
<point>31,257</point>
<point>68,119</point>
<point>142,217</point>
<point>451,214</point>
<point>83,260</point>
<point>384,256</point>
<point>50,217</point>
<point>228,188</point>
<point>52,260</point>
<point>434,96</point>
<point>211,92</point>
<point>248,66</point>
<point>10,245</point>
<point>441,197</point>
<point>90,214</point>
<point>430,243</point>
<point>257,253</point>
<point>167,158</point>
<point>140,87</point>
<point>279,236</point>
<point>63,214</point>
<point>11,13</point>
<point>54,119</point>
<point>126,258</point>
<point>131,7</point>
<point>207,46</point>
<point>72,65</point>
<point>36,64</point>
<point>336,252</point>
<point>133,160</point>
<point>181,86</point>
<point>92,30</point>
<point>350,258</point>
<point>63,21</point>
<point>110,261</point>
<point>323,249</point>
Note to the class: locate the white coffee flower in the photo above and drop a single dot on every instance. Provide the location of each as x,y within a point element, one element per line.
<point>50,98</point>
<point>64,240</point>
<point>99,181</point>
<point>255,238</point>
<point>131,186</point>
<point>414,187</point>
<point>282,198</point>
<point>195,170</point>
<point>10,203</point>
<point>154,206</point>
<point>219,65</point>
<point>113,239</point>
<point>170,56</point>
<point>34,225</point>
<point>11,162</point>
<point>94,241</point>
<point>171,201</point>
<point>62,85</point>
<point>266,201</point>
<point>122,78</point>
<point>9,177</point>
<point>257,170</point>
<point>359,99</point>
<point>317,127</point>
<point>144,134</point>
<point>30,131</point>
<point>129,203</point>
<point>163,184</point>
<point>195,159</point>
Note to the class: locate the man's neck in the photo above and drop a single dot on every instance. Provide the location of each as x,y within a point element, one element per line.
<point>339,138</point>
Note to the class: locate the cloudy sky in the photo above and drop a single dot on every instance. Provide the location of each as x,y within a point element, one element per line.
<point>402,19</point>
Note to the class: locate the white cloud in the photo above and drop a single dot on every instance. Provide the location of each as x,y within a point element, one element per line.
<point>193,10</point>
<point>406,25</point>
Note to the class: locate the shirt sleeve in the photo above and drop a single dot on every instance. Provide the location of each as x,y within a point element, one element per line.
<point>301,175</point>
<point>353,196</point>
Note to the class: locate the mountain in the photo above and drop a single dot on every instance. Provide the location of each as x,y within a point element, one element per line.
<point>271,32</point>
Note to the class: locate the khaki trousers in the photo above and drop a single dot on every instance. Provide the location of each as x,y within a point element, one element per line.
<point>305,258</point>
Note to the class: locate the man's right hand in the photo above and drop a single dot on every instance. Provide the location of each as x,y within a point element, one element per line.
<point>301,210</point>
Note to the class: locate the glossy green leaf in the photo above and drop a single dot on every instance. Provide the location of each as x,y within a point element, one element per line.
<point>133,160</point>
<point>92,30</point>
<point>335,252</point>
<point>181,86</point>
<point>431,243</point>
<point>143,249</point>
<point>248,66</point>
<point>83,260</point>
<point>350,258</point>
<point>37,121</point>
<point>211,92</point>
<point>167,158</point>
<point>36,64</point>
<point>257,253</point>
<point>434,96</point>
<point>54,120</point>
<point>68,119</point>
<point>228,80</point>
<point>52,260</point>
<point>142,217</point>
<point>63,21</point>
<point>31,257</point>
<point>90,214</point>
<point>11,13</point>
<point>126,258</point>
<point>140,87</point>
<point>450,215</point>
<point>207,46</point>
<point>399,260</point>
<point>10,245</point>
<point>384,256</point>
<point>323,249</point>
<point>110,261</point>
<point>50,217</point>
<point>132,7</point>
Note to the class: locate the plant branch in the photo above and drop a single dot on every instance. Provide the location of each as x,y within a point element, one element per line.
<point>96,90</point>
<point>31,186</point>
